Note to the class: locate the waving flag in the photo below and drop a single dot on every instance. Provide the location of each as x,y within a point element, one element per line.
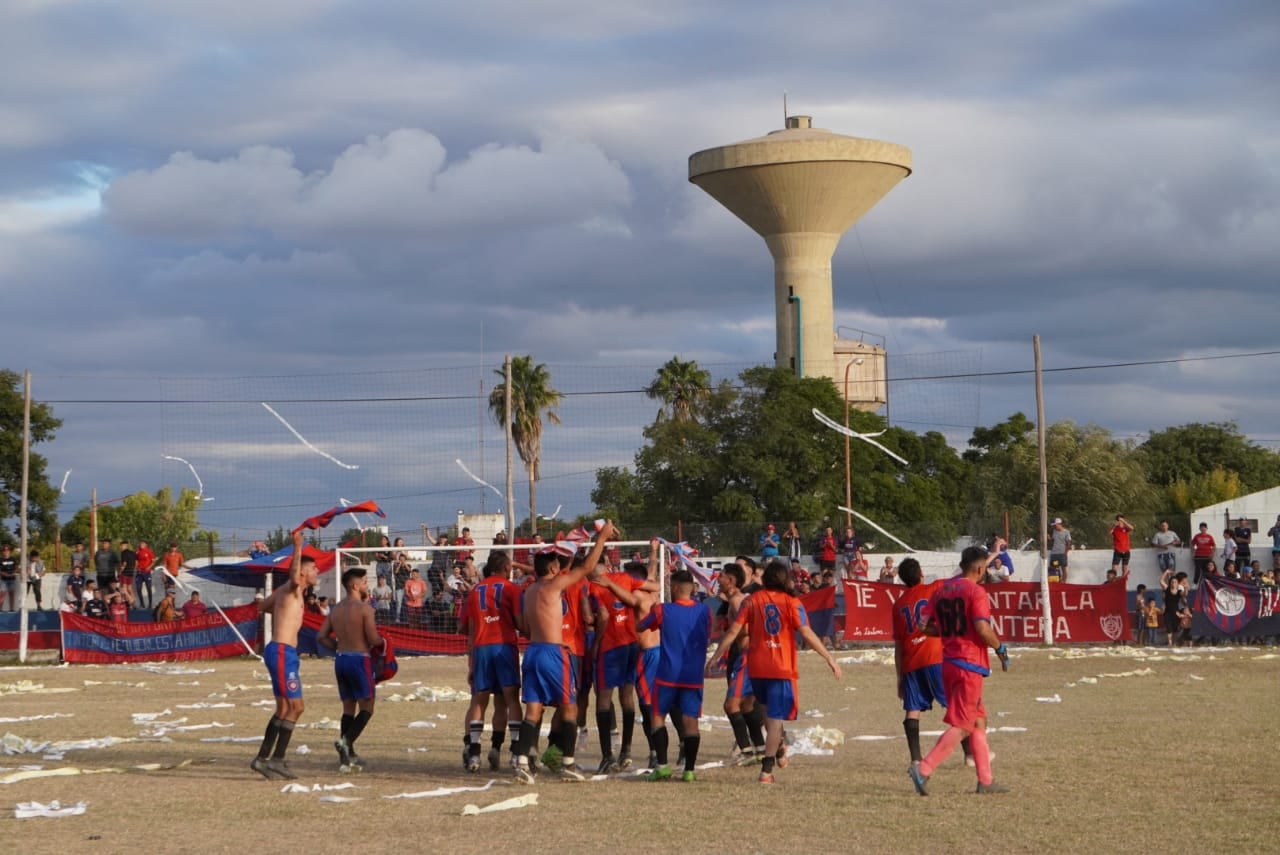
<point>1237,607</point>
<point>685,553</point>
<point>327,517</point>
<point>821,606</point>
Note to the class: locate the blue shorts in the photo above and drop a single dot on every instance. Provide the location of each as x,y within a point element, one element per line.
<point>617,667</point>
<point>921,687</point>
<point>646,671</point>
<point>549,675</point>
<point>739,681</point>
<point>683,698</point>
<point>282,665</point>
<point>354,673</point>
<point>494,667</point>
<point>778,696</point>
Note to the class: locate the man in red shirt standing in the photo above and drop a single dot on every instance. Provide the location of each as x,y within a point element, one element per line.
<point>960,613</point>
<point>1202,547</point>
<point>771,617</point>
<point>1120,545</point>
<point>146,560</point>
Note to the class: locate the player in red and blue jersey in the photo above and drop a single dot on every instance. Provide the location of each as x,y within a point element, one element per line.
<point>617,657</point>
<point>746,717</point>
<point>684,628</point>
<point>771,617</point>
<point>960,613</point>
<point>493,659</point>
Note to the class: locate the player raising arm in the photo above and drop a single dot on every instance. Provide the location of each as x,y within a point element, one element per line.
<point>281,657</point>
<point>960,613</point>
<point>351,631</point>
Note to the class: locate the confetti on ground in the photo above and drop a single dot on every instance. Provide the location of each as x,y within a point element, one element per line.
<point>421,724</point>
<point>325,723</point>
<point>30,810</point>
<point>124,683</point>
<point>13,744</point>
<point>151,717</point>
<point>21,718</point>
<point>317,788</point>
<point>1006,730</point>
<point>303,749</point>
<point>1195,677</point>
<point>27,687</point>
<point>815,741</point>
<point>1056,699</point>
<point>170,670</point>
<point>339,799</point>
<point>872,738</point>
<point>204,706</point>
<point>442,791</point>
<point>527,800</point>
<point>231,739</point>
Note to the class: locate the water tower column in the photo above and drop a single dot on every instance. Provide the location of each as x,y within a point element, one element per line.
<point>802,269</point>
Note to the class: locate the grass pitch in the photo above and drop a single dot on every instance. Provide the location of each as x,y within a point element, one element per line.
<point>1144,752</point>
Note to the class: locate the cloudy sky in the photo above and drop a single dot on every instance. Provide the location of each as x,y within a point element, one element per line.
<point>321,196</point>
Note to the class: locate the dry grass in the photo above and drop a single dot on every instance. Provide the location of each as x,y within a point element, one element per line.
<point>1164,762</point>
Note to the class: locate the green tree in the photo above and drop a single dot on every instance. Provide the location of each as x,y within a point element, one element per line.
<point>156,518</point>
<point>1210,488</point>
<point>532,398</point>
<point>278,539</point>
<point>1188,452</point>
<point>42,497</point>
<point>682,387</point>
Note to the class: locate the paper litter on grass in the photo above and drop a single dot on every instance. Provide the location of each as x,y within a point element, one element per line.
<point>231,739</point>
<point>1195,677</point>
<point>339,799</point>
<point>431,694</point>
<point>815,741</point>
<point>145,717</point>
<point>12,744</point>
<point>814,714</point>
<point>162,668</point>
<point>883,656</point>
<point>302,749</point>
<point>317,788</point>
<point>30,810</point>
<point>28,774</point>
<point>527,800</point>
<point>125,683</point>
<point>21,718</point>
<point>325,723</point>
<point>872,738</point>
<point>1056,699</point>
<point>202,705</point>
<point>421,724</point>
<point>27,687</point>
<point>443,791</point>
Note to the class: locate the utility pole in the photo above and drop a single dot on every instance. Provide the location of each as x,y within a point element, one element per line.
<point>1044,497</point>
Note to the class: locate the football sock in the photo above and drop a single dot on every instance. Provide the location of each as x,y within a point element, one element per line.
<point>646,719</point>
<point>739,724</point>
<point>513,732</point>
<point>941,750</point>
<point>628,729</point>
<point>755,726</point>
<point>347,720</point>
<point>981,755</point>
<point>569,740</point>
<point>357,727</point>
<point>691,744</point>
<point>269,738</point>
<point>602,725</point>
<point>912,727</point>
<point>660,744</point>
<point>528,738</point>
<point>766,765</point>
<point>475,731</point>
<point>285,729</point>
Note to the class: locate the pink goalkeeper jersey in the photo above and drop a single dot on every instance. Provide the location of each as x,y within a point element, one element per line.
<point>955,609</point>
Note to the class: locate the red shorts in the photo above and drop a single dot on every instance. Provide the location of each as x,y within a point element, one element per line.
<point>964,696</point>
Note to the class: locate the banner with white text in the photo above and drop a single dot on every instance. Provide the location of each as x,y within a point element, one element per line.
<point>1081,613</point>
<point>86,639</point>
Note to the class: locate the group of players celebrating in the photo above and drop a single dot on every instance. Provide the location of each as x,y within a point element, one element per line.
<point>589,628</point>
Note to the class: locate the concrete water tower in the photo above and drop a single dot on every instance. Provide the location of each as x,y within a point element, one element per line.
<point>800,189</point>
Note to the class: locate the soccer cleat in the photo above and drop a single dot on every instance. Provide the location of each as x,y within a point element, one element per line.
<point>357,764</point>
<point>495,758</point>
<point>473,764</point>
<point>280,768</point>
<point>624,761</point>
<point>533,759</point>
<point>988,789</point>
<point>766,778</point>
<point>569,773</point>
<point>652,762</point>
<point>688,777</point>
<point>921,781</point>
<point>661,773</point>
<point>344,752</point>
<point>748,758</point>
<point>522,774</point>
<point>552,757</point>
<point>606,766</point>
<point>781,756</point>
<point>260,766</point>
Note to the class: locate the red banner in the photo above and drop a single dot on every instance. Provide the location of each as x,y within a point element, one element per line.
<point>1080,612</point>
<point>86,639</point>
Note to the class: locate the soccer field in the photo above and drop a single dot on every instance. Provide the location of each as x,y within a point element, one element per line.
<point>1143,752</point>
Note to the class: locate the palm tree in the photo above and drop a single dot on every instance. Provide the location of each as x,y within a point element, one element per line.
<point>531,395</point>
<point>682,386</point>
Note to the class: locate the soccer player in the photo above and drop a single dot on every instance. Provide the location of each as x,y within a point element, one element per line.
<point>771,617</point>
<point>281,657</point>
<point>685,630</point>
<point>351,630</point>
<point>493,659</point>
<point>547,676</point>
<point>647,665</point>
<point>960,613</point>
<point>617,657</point>
<point>577,629</point>
<point>746,717</point>
<point>918,657</point>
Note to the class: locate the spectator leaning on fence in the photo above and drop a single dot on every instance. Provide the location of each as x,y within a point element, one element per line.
<point>1166,542</point>
<point>1243,536</point>
<point>1059,547</point>
<point>1274,534</point>
<point>1202,547</point>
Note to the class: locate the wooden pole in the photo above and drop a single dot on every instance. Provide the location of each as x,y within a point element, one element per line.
<point>23,561</point>
<point>1047,616</point>
<point>93,525</point>
<point>511,498</point>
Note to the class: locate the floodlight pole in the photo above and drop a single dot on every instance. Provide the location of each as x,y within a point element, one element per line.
<point>848,466</point>
<point>506,421</point>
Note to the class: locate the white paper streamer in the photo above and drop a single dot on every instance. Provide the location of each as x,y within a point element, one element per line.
<point>303,439</point>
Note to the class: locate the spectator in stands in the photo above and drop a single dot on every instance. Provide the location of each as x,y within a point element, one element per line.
<point>1166,542</point>
<point>458,585</point>
<point>463,539</point>
<point>1243,536</point>
<point>146,562</point>
<point>826,580</point>
<point>888,573</point>
<point>193,607</point>
<point>500,539</point>
<point>382,560</point>
<point>795,543</point>
<point>1059,549</point>
<point>35,577</point>
<point>70,604</point>
<point>75,584</point>
<point>80,558</point>
<point>322,606</point>
<point>128,565</point>
<point>1202,547</point>
<point>440,612</point>
<point>311,602</point>
<point>996,572</point>
<point>438,572</point>
<point>257,550</point>
<point>798,573</point>
<point>768,543</point>
<point>827,550</point>
<point>173,561</point>
<point>1139,614</point>
<point>415,593</point>
<point>9,578</point>
<point>1229,570</point>
<point>850,547</point>
<point>998,548</point>
<point>1211,569</point>
<point>118,605</point>
<point>94,605</point>
<point>1274,534</point>
<point>1111,576</point>
<point>1228,546</point>
<point>1120,550</point>
<point>165,610</point>
<point>1153,620</point>
<point>383,600</point>
<point>1175,600</point>
<point>106,564</point>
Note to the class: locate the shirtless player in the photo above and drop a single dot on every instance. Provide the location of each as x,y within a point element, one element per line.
<point>281,657</point>
<point>350,630</point>
<point>548,678</point>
